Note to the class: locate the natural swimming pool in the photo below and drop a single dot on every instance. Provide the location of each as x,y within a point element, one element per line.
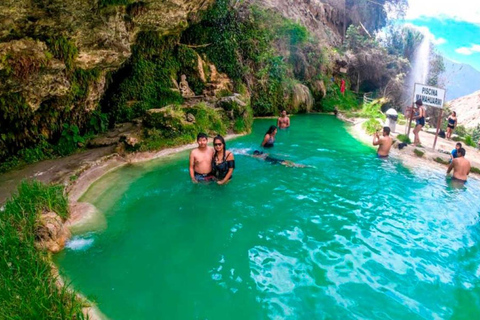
<point>353,238</point>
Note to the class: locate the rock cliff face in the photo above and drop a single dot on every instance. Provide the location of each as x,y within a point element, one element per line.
<point>323,18</point>
<point>101,35</point>
<point>56,56</point>
<point>328,19</point>
<point>467,109</point>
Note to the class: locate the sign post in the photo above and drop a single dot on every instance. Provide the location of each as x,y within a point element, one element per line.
<point>432,97</point>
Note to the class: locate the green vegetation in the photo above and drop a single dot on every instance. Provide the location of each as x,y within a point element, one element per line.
<point>461,131</point>
<point>27,285</point>
<point>347,101</point>
<point>69,140</point>
<point>440,160</point>
<point>28,136</point>
<point>171,122</point>
<point>145,82</point>
<point>469,141</point>
<point>418,153</point>
<point>106,3</point>
<point>404,138</point>
<point>475,170</point>
<point>207,120</point>
<point>371,126</point>
<point>63,49</point>
<point>259,47</point>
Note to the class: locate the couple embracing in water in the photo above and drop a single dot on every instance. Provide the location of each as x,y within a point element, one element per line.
<point>211,164</point>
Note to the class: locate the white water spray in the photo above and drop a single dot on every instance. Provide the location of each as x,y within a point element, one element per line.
<point>420,68</point>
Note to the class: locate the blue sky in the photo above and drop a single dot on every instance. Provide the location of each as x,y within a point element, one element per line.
<point>453,24</point>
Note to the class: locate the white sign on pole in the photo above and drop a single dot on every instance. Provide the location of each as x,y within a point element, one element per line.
<point>430,96</point>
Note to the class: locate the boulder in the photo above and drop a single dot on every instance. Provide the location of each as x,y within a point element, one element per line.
<point>51,234</point>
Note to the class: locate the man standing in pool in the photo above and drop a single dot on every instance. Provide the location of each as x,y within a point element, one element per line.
<point>283,121</point>
<point>201,160</point>
<point>460,166</point>
<point>384,143</point>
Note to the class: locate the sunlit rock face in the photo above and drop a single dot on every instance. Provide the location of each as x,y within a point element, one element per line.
<point>323,18</point>
<point>327,19</point>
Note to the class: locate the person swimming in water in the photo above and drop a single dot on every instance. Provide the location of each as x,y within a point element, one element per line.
<point>265,156</point>
<point>269,138</point>
<point>223,161</point>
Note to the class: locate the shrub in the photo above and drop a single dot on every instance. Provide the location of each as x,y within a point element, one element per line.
<point>69,140</point>
<point>475,170</point>
<point>371,126</point>
<point>207,119</point>
<point>469,141</point>
<point>440,160</point>
<point>461,131</point>
<point>418,153</point>
<point>335,98</point>
<point>404,138</point>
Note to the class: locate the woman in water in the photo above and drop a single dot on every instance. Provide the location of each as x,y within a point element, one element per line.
<point>223,162</point>
<point>269,138</point>
<point>452,123</point>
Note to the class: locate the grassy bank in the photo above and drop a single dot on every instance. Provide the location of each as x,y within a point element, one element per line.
<point>27,286</point>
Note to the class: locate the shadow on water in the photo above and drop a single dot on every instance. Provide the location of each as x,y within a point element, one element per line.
<point>354,237</point>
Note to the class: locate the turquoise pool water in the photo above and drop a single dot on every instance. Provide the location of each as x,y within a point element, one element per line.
<point>353,238</point>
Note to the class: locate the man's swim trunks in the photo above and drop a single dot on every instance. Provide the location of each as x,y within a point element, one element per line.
<point>203,177</point>
<point>458,180</point>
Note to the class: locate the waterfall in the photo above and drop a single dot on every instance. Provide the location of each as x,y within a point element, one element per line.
<point>420,68</point>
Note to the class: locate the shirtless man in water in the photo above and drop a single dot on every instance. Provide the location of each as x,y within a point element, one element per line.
<point>201,160</point>
<point>384,143</point>
<point>460,166</point>
<point>283,121</point>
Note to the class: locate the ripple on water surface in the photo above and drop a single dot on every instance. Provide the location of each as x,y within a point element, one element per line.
<point>351,238</point>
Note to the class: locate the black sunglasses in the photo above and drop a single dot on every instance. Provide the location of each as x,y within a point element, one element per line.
<point>218,144</point>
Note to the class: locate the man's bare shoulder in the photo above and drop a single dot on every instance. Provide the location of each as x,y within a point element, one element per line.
<point>195,152</point>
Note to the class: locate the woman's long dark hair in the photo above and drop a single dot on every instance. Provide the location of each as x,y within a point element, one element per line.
<point>271,129</point>
<point>219,137</point>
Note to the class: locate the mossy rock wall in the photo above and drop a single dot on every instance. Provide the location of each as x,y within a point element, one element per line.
<point>55,57</point>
